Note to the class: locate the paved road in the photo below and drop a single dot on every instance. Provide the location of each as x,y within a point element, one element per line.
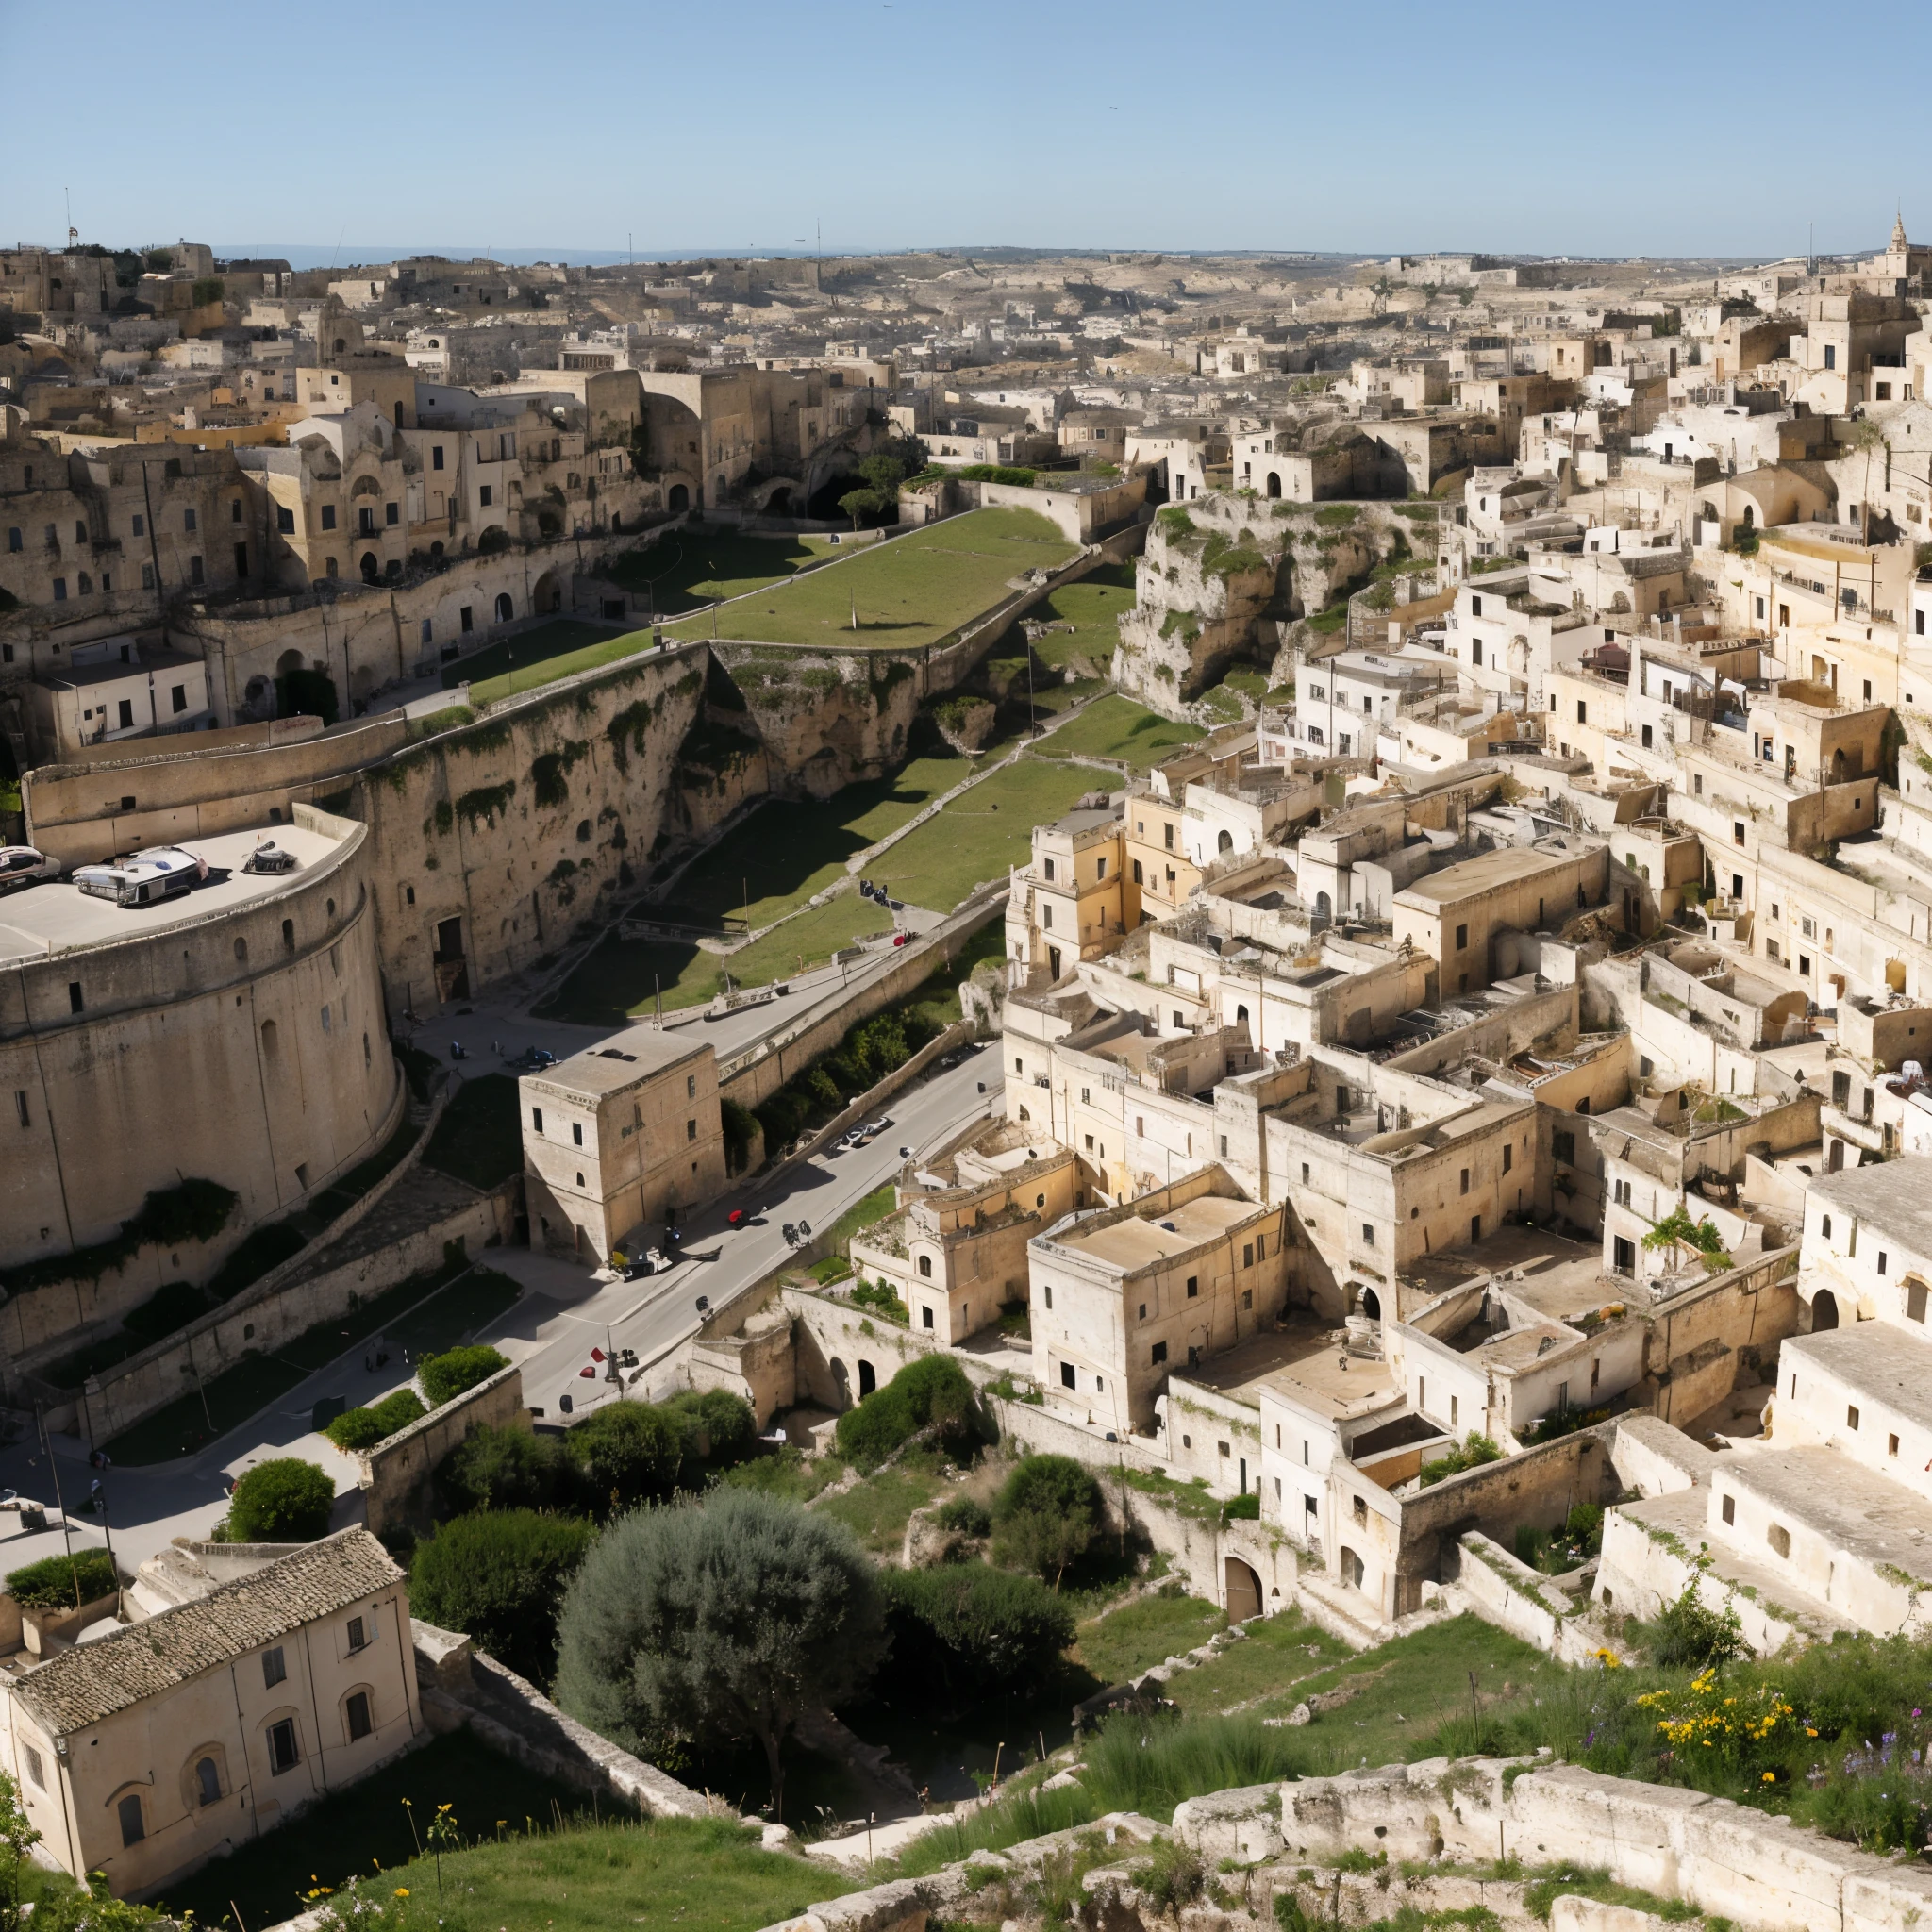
<point>562,1314</point>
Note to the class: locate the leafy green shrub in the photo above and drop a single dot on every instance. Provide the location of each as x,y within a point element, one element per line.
<point>629,1453</point>
<point>363,1428</point>
<point>1471,1453</point>
<point>882,1298</point>
<point>739,1125</point>
<point>1246,1508</point>
<point>718,1621</point>
<point>933,1389</point>
<point>49,1585</point>
<point>1046,1515</point>
<point>500,1575</point>
<point>965,1516</point>
<point>966,1633</point>
<point>1689,1633</point>
<point>505,1469</point>
<point>457,1370</point>
<point>717,1429</point>
<point>284,1500</point>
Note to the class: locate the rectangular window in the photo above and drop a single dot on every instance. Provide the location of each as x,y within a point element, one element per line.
<point>1508,1156</point>
<point>1368,1234</point>
<point>391,514</point>
<point>275,1668</point>
<point>285,520</point>
<point>125,713</point>
<point>1067,1379</point>
<point>132,1828</point>
<point>925,1317</point>
<point>1193,1285</point>
<point>36,1770</point>
<point>1247,1253</point>
<point>358,1633</point>
<point>483,495</point>
<point>436,456</point>
<point>576,1133</point>
<point>466,619</point>
<point>177,699</point>
<point>691,1130</point>
<point>328,516</point>
<point>194,571</point>
<point>1851,1417</point>
<point>282,1755</point>
<point>1464,1189</point>
<point>1461,938</point>
<point>188,520</point>
<point>1159,1354</point>
<point>535,1120</point>
<point>1731,1509</point>
<point>60,590</point>
<point>357,1711</point>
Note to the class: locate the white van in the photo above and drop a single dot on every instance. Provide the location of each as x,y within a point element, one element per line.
<point>146,878</point>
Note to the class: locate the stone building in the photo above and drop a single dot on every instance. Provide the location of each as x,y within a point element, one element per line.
<point>619,1136</point>
<point>266,1678</point>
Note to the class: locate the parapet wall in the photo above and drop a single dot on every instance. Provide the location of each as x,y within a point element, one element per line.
<point>396,1473</point>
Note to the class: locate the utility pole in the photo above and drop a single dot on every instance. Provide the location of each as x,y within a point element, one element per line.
<point>66,1529</point>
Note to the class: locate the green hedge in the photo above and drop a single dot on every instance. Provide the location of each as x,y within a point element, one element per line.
<point>966,1633</point>
<point>458,1369</point>
<point>49,1585</point>
<point>363,1428</point>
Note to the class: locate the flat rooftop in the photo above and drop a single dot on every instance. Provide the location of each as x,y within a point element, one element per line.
<point>1876,1521</point>
<point>1140,1241</point>
<point>1890,1364</point>
<point>1306,1363</point>
<point>1561,1279</point>
<point>623,1060</point>
<point>59,918</point>
<point>1485,873</point>
<point>1895,1196</point>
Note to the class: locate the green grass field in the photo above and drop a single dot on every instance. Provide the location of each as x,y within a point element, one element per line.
<point>533,652</point>
<point>1117,728</point>
<point>781,855</point>
<point>1120,1644</point>
<point>983,832</point>
<point>1093,606</point>
<point>690,1875</point>
<point>689,567</point>
<point>479,1138</point>
<point>624,978</point>
<point>911,591</point>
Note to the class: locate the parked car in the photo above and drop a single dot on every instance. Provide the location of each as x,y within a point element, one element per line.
<point>162,871</point>
<point>21,865</point>
<point>270,858</point>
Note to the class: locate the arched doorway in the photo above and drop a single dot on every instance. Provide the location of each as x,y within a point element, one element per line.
<point>868,1381</point>
<point>779,503</point>
<point>1372,1305</point>
<point>506,607</point>
<point>1242,1588</point>
<point>1834,1157</point>
<point>1823,1312</point>
<point>678,499</point>
<point>547,598</point>
<point>1274,483</point>
<point>1224,843</point>
<point>372,567</point>
<point>841,1381</point>
<point>1241,1015</point>
<point>1324,910</point>
<point>1352,1572</point>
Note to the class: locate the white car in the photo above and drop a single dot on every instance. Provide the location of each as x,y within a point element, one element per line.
<point>21,865</point>
<point>146,878</point>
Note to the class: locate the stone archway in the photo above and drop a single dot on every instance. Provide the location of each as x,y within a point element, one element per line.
<point>868,1380</point>
<point>1274,483</point>
<point>1241,1590</point>
<point>1352,1569</point>
<point>1372,1305</point>
<point>1823,1312</point>
<point>679,499</point>
<point>546,600</point>
<point>505,607</point>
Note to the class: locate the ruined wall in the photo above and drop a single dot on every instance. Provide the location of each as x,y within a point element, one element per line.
<point>824,717</point>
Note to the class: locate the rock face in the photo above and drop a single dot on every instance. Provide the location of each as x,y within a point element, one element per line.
<point>1229,577</point>
<point>1209,572</point>
<point>965,723</point>
<point>824,717</point>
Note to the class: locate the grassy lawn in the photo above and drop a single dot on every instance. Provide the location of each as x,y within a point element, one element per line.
<point>620,1873</point>
<point>490,671</point>
<point>479,1139</point>
<point>616,980</point>
<point>1411,1689</point>
<point>458,1312</point>
<point>874,1207</point>
<point>691,567</point>
<point>1093,607</point>
<point>787,850</point>
<point>911,591</point>
<point>981,835</point>
<point>1117,728</point>
<point>1120,1644</point>
<point>878,1509</point>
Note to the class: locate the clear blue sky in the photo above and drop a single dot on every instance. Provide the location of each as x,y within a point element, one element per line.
<point>735,124</point>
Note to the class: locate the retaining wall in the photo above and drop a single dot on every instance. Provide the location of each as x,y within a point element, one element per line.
<point>396,1473</point>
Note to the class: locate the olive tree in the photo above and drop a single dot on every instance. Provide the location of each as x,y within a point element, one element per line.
<point>716,1621</point>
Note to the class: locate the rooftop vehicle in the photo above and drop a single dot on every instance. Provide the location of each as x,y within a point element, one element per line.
<point>146,878</point>
<point>21,865</point>
<point>270,858</point>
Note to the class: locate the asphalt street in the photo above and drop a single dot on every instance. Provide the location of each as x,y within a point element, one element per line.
<point>564,1313</point>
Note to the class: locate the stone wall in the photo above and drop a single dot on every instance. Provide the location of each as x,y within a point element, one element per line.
<point>396,1473</point>
<point>272,1312</point>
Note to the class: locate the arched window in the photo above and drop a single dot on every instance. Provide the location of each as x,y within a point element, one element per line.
<point>132,1827</point>
<point>506,609</point>
<point>208,1781</point>
<point>926,1266</point>
<point>270,1040</point>
<point>1138,880</point>
<point>1224,843</point>
<point>288,933</point>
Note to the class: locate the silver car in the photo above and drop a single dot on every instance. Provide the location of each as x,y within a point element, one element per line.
<point>21,865</point>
